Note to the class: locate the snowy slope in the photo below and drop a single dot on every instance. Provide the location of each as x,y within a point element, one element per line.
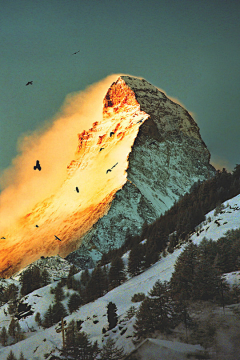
<point>40,342</point>
<point>229,219</point>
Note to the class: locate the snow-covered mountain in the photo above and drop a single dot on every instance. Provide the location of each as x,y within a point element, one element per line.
<point>167,156</point>
<point>128,168</point>
<point>39,342</point>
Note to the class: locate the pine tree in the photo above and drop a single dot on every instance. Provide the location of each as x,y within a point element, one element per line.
<point>183,275</point>
<point>12,307</point>
<point>111,352</point>
<point>131,312</point>
<point>74,302</point>
<point>85,277</point>
<point>181,314</point>
<point>10,293</point>
<point>145,321</point>
<point>70,279</point>
<point>151,255</point>
<point>96,286</point>
<point>71,343</point>
<point>112,315</point>
<point>11,356</point>
<point>207,281</point>
<point>58,293</point>
<point>58,312</point>
<point>4,336</point>
<point>162,306</point>
<point>135,260</point>
<point>38,319</point>
<point>45,277</point>
<point>116,273</point>
<point>225,261</point>
<point>18,332</point>
<point>22,356</point>
<point>48,318</point>
<point>30,280</point>
<point>12,328</point>
<point>78,345</point>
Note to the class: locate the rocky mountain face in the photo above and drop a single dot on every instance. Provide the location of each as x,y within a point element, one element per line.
<point>167,156</point>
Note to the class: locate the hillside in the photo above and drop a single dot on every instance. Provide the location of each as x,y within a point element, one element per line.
<point>39,342</point>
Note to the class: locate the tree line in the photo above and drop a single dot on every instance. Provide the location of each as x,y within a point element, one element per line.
<point>198,275</point>
<point>180,220</point>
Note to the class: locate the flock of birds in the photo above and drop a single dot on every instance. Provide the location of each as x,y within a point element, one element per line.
<point>39,168</point>
<point>31,82</point>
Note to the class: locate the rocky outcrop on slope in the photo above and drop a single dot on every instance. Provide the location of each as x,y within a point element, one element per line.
<point>166,158</point>
<point>56,267</point>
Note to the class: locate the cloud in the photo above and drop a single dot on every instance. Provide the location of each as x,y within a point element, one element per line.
<point>54,145</point>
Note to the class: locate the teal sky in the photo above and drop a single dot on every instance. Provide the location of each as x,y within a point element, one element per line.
<point>188,48</point>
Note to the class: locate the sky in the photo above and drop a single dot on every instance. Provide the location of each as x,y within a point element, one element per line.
<point>188,48</point>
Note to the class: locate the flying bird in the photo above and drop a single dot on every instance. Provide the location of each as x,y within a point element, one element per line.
<point>111,133</point>
<point>77,189</point>
<point>76,52</point>
<point>114,165</point>
<point>29,83</point>
<point>57,238</point>
<point>101,149</point>
<point>36,225</point>
<point>37,166</point>
<point>3,237</point>
<point>108,170</point>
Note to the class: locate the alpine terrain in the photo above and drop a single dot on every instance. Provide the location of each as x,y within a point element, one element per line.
<point>128,168</point>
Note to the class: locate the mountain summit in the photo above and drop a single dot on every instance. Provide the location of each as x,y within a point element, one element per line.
<point>167,156</point>
<point>128,169</point>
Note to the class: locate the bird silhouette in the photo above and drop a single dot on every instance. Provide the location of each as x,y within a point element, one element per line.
<point>111,133</point>
<point>36,225</point>
<point>57,238</point>
<point>101,149</point>
<point>114,165</point>
<point>77,189</point>
<point>29,83</point>
<point>3,237</point>
<point>76,52</point>
<point>37,166</point>
<point>108,170</point>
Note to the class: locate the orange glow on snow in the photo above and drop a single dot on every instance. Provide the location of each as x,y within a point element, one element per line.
<point>70,156</point>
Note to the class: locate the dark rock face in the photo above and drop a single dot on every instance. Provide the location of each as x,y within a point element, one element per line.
<point>167,157</point>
